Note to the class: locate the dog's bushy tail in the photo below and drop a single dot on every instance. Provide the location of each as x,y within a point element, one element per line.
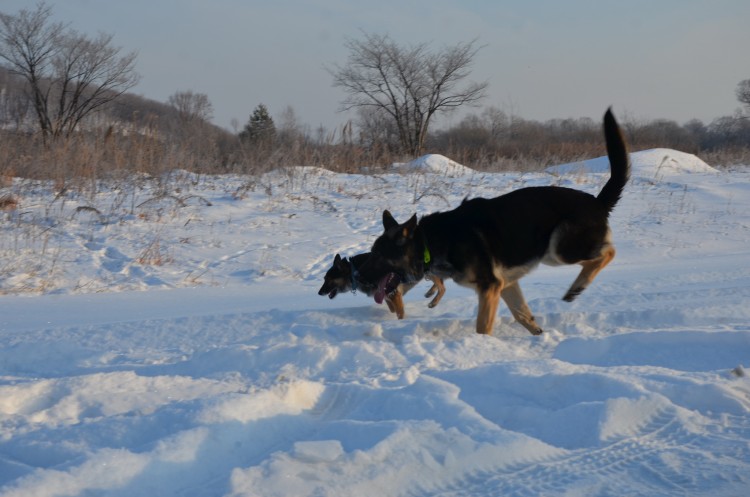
<point>619,163</point>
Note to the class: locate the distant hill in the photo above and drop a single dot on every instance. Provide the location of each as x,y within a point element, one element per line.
<point>128,109</point>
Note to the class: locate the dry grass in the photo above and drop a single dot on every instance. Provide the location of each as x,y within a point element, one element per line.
<point>154,254</point>
<point>8,203</point>
<point>727,157</point>
<point>148,151</point>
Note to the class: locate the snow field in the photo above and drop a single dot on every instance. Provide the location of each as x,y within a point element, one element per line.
<point>206,364</point>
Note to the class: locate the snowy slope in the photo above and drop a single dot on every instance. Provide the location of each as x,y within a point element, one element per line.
<point>175,345</point>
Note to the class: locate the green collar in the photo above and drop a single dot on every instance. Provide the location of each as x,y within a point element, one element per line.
<point>427,256</point>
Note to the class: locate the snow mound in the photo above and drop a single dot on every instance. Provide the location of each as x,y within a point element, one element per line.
<point>436,164</point>
<point>656,162</point>
<point>663,161</point>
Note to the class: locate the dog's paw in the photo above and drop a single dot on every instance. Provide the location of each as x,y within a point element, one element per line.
<point>536,332</point>
<point>572,294</point>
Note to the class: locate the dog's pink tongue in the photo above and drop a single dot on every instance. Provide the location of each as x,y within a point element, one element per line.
<point>380,292</point>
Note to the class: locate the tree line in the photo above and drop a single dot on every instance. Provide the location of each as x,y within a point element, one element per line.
<point>66,113</point>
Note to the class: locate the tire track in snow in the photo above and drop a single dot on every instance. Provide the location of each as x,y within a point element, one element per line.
<point>664,455</point>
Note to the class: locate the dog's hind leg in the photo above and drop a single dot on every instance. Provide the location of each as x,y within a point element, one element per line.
<point>489,298</point>
<point>517,304</point>
<point>590,269</point>
<point>437,286</point>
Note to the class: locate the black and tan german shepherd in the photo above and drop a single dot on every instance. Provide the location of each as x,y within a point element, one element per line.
<point>490,244</point>
<point>378,279</point>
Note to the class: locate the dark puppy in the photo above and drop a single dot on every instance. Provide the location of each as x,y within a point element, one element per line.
<point>489,244</point>
<point>378,279</point>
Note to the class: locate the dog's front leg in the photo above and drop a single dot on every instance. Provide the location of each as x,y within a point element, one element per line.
<point>396,304</point>
<point>517,304</point>
<point>489,298</point>
<point>437,286</point>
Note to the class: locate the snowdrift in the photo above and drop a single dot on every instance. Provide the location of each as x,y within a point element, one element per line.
<point>436,164</point>
<point>654,163</point>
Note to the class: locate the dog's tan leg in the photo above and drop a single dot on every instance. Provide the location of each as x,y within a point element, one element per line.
<point>437,286</point>
<point>396,304</point>
<point>429,293</point>
<point>389,303</point>
<point>590,269</point>
<point>517,304</point>
<point>488,301</point>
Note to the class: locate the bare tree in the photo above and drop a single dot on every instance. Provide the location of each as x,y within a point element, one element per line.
<point>410,84</point>
<point>498,122</point>
<point>377,128</point>
<point>191,106</point>
<point>68,75</point>
<point>14,106</point>
<point>289,128</point>
<point>743,92</point>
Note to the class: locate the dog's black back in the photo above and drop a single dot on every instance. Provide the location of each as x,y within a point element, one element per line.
<point>516,228</point>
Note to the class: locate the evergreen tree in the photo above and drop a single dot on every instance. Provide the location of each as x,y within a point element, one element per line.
<point>260,127</point>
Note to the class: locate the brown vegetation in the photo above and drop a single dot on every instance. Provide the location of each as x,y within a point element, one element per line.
<point>136,135</point>
<point>154,142</point>
<point>495,141</point>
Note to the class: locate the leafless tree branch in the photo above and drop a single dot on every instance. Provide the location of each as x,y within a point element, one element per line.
<point>68,74</point>
<point>409,84</point>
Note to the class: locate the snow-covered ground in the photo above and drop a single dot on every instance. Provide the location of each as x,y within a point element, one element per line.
<point>171,342</point>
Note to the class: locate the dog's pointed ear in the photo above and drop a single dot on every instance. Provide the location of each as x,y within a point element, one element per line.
<point>410,226</point>
<point>338,261</point>
<point>406,231</point>
<point>388,220</point>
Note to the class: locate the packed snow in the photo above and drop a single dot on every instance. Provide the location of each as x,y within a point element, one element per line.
<point>164,336</point>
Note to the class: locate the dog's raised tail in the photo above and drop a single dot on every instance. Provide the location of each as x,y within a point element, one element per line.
<point>619,163</point>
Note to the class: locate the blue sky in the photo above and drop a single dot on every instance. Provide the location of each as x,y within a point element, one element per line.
<point>543,59</point>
